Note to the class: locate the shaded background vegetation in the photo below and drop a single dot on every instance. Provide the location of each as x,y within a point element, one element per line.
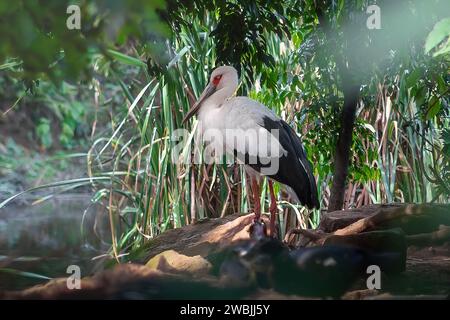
<point>103,101</point>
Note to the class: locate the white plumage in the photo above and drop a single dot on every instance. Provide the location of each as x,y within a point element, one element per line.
<point>238,126</point>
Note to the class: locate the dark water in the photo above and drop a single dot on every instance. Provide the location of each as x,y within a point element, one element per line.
<point>48,237</point>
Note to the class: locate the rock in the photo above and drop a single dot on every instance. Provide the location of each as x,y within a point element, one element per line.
<point>264,294</point>
<point>440,236</point>
<point>322,271</point>
<point>360,294</point>
<point>412,218</point>
<point>250,262</point>
<point>131,281</point>
<point>389,296</point>
<point>201,238</point>
<point>332,221</point>
<point>427,273</point>
<point>171,261</point>
<point>385,248</point>
<point>418,218</point>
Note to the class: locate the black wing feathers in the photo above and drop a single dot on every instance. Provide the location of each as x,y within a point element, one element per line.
<point>294,167</point>
<point>300,153</point>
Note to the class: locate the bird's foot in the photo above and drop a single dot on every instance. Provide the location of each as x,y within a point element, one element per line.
<point>258,229</point>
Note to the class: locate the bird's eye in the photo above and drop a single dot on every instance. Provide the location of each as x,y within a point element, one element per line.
<point>216,79</point>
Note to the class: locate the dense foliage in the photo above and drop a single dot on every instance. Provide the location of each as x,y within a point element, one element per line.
<point>134,69</point>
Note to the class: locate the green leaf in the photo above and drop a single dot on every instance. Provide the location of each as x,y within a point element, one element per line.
<point>24,274</point>
<point>369,127</point>
<point>44,133</point>
<point>10,65</point>
<point>440,31</point>
<point>413,77</point>
<point>421,95</point>
<point>127,59</point>
<point>445,48</point>
<point>178,57</point>
<point>434,106</point>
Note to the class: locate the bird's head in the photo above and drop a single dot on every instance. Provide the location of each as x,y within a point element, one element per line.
<point>223,79</point>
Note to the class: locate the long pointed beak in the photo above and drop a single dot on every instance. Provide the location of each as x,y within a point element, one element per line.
<point>209,90</point>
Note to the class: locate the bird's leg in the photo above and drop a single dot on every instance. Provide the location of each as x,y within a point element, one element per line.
<point>256,199</point>
<point>258,228</point>
<point>273,209</point>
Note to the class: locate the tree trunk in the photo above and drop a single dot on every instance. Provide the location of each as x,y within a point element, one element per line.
<point>342,152</point>
<point>344,61</point>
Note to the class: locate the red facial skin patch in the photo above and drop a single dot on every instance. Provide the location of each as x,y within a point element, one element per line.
<point>216,80</point>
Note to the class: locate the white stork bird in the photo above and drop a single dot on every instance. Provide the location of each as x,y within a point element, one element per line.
<point>218,110</point>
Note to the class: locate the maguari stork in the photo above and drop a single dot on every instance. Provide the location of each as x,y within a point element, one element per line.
<point>219,110</point>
